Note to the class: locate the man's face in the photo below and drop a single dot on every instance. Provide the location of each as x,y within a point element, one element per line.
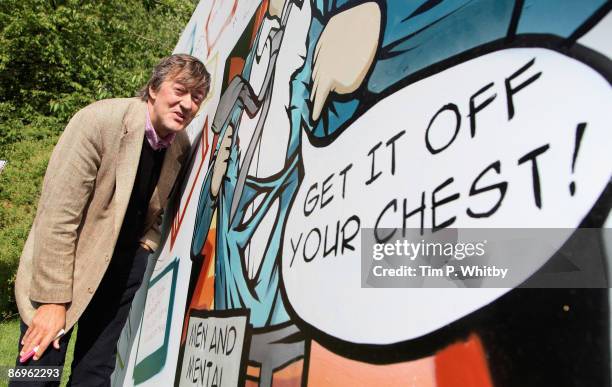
<point>173,106</point>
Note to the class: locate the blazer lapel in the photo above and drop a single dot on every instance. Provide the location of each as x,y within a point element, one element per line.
<point>130,146</point>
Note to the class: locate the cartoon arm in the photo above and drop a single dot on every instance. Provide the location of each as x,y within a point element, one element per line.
<point>210,192</point>
<point>372,36</point>
<point>374,45</point>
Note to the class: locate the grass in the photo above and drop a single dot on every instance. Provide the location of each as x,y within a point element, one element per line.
<point>9,334</point>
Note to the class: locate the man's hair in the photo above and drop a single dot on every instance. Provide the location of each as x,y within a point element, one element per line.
<point>186,69</point>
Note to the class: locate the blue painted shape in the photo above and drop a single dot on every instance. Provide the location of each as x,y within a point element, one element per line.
<point>555,17</point>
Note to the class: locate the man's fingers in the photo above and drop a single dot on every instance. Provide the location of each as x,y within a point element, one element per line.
<point>56,344</point>
<point>47,321</point>
<point>42,347</point>
<point>33,340</point>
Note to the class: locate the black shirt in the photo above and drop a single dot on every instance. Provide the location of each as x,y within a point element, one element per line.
<point>147,175</point>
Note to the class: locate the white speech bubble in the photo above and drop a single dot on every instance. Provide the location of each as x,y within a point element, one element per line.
<point>325,291</point>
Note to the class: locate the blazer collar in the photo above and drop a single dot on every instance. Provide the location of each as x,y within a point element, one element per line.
<point>130,146</point>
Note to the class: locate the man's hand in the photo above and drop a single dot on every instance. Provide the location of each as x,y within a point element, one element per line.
<point>146,247</point>
<point>221,161</point>
<point>48,320</point>
<point>344,53</point>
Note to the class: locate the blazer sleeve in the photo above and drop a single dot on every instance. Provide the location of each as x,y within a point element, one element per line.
<point>66,190</point>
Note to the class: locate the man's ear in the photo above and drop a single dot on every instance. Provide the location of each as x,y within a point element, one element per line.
<point>152,93</point>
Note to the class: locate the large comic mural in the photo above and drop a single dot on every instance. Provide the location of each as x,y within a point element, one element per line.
<point>328,117</point>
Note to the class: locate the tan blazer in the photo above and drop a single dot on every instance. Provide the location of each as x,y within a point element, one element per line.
<point>84,198</point>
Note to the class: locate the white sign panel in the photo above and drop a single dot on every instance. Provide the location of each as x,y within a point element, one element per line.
<point>213,352</point>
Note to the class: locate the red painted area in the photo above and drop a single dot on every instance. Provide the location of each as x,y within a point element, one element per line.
<point>204,292</point>
<point>327,368</point>
<point>259,16</point>
<point>236,64</point>
<point>463,364</point>
<point>289,376</point>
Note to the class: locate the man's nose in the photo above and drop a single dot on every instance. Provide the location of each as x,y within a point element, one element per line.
<point>186,101</point>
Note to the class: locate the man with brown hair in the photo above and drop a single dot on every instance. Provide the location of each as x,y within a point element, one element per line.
<point>99,218</point>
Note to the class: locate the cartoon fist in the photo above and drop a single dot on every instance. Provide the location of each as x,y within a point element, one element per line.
<point>275,8</point>
<point>344,53</point>
<point>221,161</point>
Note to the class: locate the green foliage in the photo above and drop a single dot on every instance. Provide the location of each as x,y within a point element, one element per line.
<point>55,58</point>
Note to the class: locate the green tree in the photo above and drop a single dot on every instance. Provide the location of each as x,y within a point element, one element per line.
<point>56,57</point>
